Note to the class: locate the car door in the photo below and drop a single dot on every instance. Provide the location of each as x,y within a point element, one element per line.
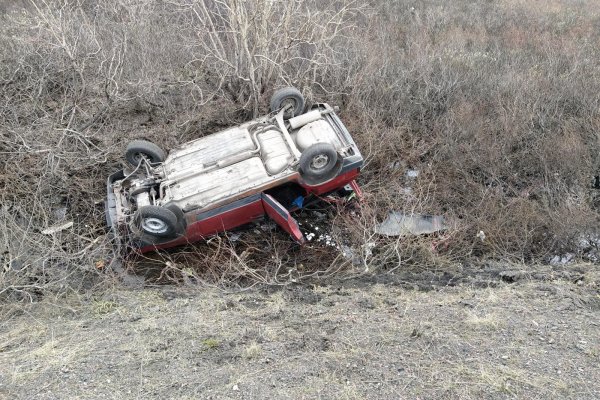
<point>282,217</point>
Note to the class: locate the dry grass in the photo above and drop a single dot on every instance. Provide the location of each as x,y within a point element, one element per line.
<point>371,342</point>
<point>495,103</point>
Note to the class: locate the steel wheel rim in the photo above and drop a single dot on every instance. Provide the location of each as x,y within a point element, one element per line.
<point>289,102</point>
<point>154,225</point>
<point>319,162</point>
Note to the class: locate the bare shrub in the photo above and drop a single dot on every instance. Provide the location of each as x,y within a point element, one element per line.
<point>494,103</point>
<point>498,120</point>
<point>248,47</point>
<point>250,259</point>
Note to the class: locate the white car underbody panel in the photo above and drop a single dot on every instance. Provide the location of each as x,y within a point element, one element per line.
<point>204,189</point>
<point>222,165</point>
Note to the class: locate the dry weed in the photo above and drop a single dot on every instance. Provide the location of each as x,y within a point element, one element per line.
<point>494,103</point>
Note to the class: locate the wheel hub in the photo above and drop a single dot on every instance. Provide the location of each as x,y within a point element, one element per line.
<point>289,105</point>
<point>319,162</point>
<point>141,156</point>
<point>154,225</point>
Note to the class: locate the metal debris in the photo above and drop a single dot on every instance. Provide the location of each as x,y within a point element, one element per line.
<point>400,224</point>
<point>57,228</point>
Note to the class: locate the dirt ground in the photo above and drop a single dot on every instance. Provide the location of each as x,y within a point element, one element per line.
<point>470,333</point>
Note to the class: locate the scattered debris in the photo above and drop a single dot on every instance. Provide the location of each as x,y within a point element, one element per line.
<point>313,232</point>
<point>412,173</point>
<point>57,228</point>
<point>400,224</point>
<point>480,235</point>
<point>235,237</point>
<point>350,254</point>
<point>564,259</point>
<point>368,249</point>
<point>589,247</point>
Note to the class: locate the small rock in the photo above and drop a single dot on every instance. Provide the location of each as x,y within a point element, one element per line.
<point>236,388</point>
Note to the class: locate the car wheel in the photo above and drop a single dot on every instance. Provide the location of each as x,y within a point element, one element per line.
<point>156,221</point>
<point>317,162</point>
<point>288,96</point>
<point>174,208</point>
<point>139,149</point>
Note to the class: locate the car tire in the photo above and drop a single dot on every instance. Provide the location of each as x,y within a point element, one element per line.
<point>157,221</point>
<point>137,149</point>
<point>317,162</point>
<point>285,96</point>
<point>174,208</point>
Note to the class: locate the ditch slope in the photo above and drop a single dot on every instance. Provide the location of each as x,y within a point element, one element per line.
<point>485,333</point>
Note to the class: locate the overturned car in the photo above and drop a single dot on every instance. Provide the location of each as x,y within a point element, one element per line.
<point>269,166</point>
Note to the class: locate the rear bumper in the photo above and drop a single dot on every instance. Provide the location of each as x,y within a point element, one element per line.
<point>110,206</point>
